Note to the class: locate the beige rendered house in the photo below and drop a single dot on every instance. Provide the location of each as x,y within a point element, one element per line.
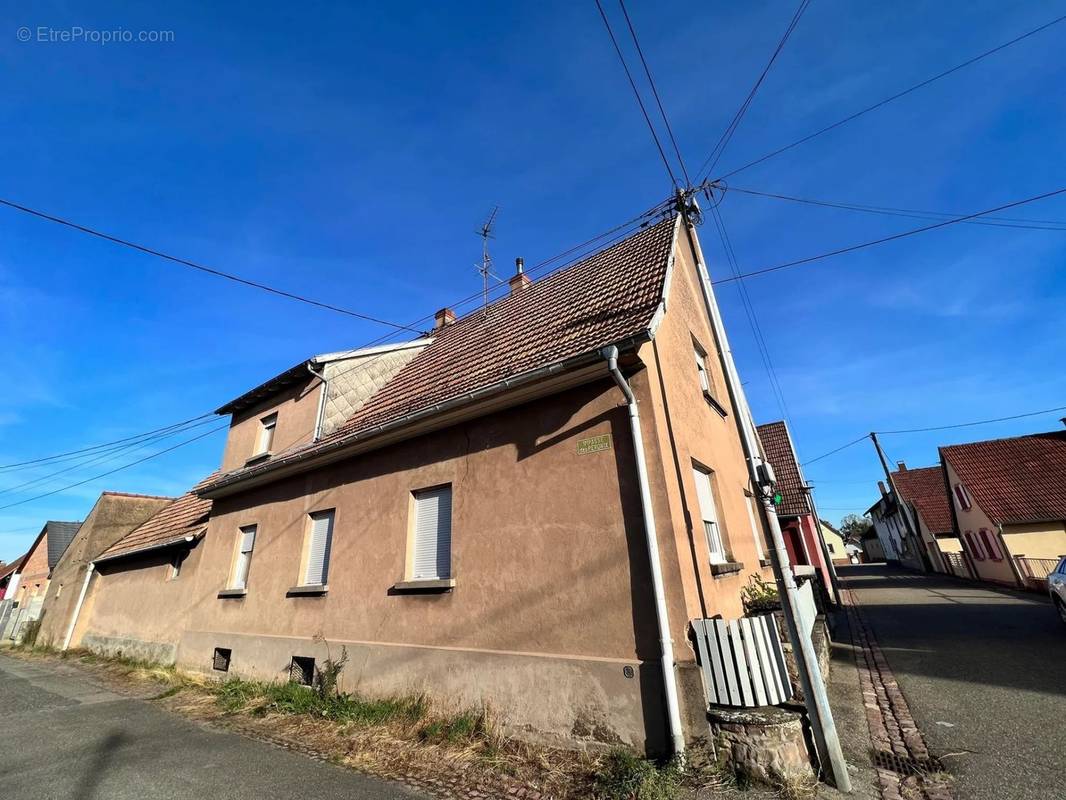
<point>475,514</point>
<point>1009,504</point>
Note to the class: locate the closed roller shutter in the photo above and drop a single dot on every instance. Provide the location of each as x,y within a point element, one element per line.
<point>433,534</point>
<point>319,547</point>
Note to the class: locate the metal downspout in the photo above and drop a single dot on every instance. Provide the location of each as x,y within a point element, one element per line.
<point>673,711</point>
<point>816,700</point>
<point>321,401</point>
<point>77,607</point>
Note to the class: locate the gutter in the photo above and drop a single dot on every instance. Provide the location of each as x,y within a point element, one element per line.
<point>276,469</point>
<point>673,711</point>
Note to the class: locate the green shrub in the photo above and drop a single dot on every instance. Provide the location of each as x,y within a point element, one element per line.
<point>760,595</point>
<point>625,776</point>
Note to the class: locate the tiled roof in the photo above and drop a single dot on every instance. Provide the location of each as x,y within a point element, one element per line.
<point>1022,479</point>
<point>604,299</point>
<point>778,448</point>
<point>186,516</point>
<point>924,489</point>
<point>60,535</point>
<point>10,568</point>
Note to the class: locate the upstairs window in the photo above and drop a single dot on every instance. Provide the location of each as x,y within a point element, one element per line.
<point>975,550</point>
<point>245,545</point>
<point>431,552</point>
<point>962,497</point>
<point>319,544</point>
<point>265,441</point>
<point>709,515</point>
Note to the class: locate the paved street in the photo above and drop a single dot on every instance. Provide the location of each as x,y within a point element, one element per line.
<point>984,674</point>
<point>84,742</point>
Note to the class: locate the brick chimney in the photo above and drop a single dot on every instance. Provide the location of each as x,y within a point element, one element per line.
<point>519,280</point>
<point>881,486</point>
<point>901,466</point>
<point>443,317</point>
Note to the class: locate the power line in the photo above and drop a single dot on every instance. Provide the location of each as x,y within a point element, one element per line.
<point>712,160</point>
<point>976,422</point>
<point>104,456</point>
<point>999,222</point>
<point>655,93</point>
<point>753,319</point>
<point>636,94</point>
<point>194,265</point>
<point>116,469</point>
<point>893,237</point>
<point>852,443</point>
<point>866,436</point>
<point>63,456</point>
<point>896,96</point>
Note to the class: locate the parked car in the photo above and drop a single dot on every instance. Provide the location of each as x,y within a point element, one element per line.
<point>1056,585</point>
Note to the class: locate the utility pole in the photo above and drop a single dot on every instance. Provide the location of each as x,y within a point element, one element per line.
<point>762,477</point>
<point>899,499</point>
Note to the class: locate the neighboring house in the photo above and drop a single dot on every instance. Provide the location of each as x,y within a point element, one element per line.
<point>898,546</point>
<point>476,522</point>
<point>33,574</point>
<point>1009,504</point>
<point>872,549</point>
<point>795,509</point>
<point>9,577</point>
<point>925,500</point>
<point>839,551</point>
<point>141,594</point>
<point>113,516</point>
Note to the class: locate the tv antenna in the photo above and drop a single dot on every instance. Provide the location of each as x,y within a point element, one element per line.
<point>485,267</point>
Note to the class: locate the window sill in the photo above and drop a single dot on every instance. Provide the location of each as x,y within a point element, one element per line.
<point>258,458</point>
<point>764,562</point>
<point>726,569</point>
<point>714,403</point>
<point>308,590</point>
<point>228,593</point>
<point>424,586</point>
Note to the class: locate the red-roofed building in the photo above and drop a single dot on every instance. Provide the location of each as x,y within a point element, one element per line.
<point>472,513</point>
<point>924,494</point>
<point>795,508</point>
<point>1008,498</point>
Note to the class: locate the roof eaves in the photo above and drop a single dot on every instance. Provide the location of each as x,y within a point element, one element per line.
<point>308,458</point>
<point>660,311</point>
<point>186,537</point>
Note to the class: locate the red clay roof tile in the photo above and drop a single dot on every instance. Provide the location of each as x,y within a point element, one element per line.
<point>1022,479</point>
<point>186,516</point>
<point>778,448</point>
<point>924,489</point>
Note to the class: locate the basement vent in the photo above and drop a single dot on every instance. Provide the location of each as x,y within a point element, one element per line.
<point>221,659</point>
<point>302,670</point>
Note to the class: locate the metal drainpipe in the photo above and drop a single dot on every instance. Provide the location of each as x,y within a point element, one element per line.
<point>77,607</point>
<point>321,400</point>
<point>673,711</point>
<point>816,700</point>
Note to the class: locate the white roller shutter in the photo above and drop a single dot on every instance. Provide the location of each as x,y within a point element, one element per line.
<point>244,557</point>
<point>433,534</point>
<point>709,514</point>
<point>319,547</point>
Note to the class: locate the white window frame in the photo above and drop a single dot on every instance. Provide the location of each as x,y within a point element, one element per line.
<point>268,427</point>
<point>431,544</point>
<point>243,561</point>
<point>316,570</point>
<point>708,507</point>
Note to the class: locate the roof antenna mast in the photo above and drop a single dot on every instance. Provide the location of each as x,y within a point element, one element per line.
<point>485,268</point>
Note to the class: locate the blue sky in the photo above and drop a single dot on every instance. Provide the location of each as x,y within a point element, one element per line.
<point>349,153</point>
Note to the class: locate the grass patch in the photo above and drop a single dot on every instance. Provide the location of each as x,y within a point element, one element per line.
<point>257,697</point>
<point>625,776</point>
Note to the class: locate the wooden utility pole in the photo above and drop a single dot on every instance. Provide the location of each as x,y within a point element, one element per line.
<point>914,535</point>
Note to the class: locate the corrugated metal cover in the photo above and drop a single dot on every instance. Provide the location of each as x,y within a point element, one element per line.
<point>433,533</point>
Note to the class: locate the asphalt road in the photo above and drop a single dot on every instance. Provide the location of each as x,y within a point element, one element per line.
<point>65,737</point>
<point>984,674</point>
